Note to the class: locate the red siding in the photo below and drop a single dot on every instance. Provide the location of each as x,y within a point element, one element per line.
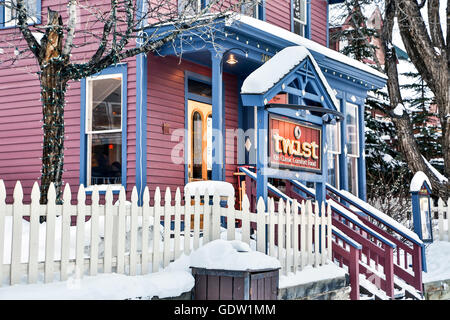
<point>278,12</point>
<point>319,21</point>
<point>166,104</point>
<point>21,112</point>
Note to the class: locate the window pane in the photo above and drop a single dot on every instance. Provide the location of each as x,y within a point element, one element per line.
<point>353,175</point>
<point>352,129</point>
<point>106,160</point>
<point>106,104</point>
<point>199,88</point>
<point>197,146</point>
<point>253,9</point>
<point>299,28</point>
<point>333,137</point>
<point>333,167</point>
<point>300,10</point>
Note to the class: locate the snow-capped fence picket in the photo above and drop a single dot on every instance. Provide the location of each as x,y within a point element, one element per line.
<point>122,237</point>
<point>441,214</point>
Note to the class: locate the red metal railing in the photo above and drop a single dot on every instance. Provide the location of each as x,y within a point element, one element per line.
<point>377,240</point>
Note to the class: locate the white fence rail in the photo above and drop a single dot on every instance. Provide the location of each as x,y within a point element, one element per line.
<point>122,237</point>
<point>441,220</point>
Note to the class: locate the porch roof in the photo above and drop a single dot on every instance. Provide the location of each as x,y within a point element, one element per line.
<point>260,81</point>
<point>261,41</point>
<point>241,21</point>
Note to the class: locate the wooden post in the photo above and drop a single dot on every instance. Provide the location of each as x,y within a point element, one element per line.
<point>389,270</point>
<point>353,270</point>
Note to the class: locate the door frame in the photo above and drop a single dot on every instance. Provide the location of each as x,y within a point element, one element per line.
<point>191,96</point>
<point>192,107</point>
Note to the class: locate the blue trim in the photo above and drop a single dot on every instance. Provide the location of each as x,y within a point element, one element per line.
<point>262,10</point>
<point>308,20</point>
<point>141,124</point>
<point>262,154</point>
<point>343,169</point>
<point>362,188</point>
<point>346,239</point>
<point>217,116</point>
<point>120,68</point>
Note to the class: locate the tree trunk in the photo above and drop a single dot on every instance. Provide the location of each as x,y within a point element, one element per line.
<point>53,91</point>
<point>53,88</point>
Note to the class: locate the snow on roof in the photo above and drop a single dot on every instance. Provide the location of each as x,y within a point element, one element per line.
<point>309,44</point>
<point>266,76</point>
<point>221,187</point>
<point>418,180</point>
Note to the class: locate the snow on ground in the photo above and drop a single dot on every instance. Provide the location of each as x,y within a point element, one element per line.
<point>438,261</point>
<point>310,274</point>
<point>112,286</point>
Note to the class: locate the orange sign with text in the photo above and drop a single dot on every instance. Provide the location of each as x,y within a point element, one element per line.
<point>294,145</point>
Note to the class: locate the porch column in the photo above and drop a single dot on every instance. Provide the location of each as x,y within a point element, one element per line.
<point>217,117</point>
<point>343,161</point>
<point>321,186</point>
<point>141,124</point>
<point>261,154</point>
<point>362,188</point>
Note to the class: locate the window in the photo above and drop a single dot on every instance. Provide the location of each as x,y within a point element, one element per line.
<point>254,9</point>
<point>104,118</point>
<point>300,17</point>
<point>352,130</point>
<point>334,149</point>
<point>10,15</point>
<point>190,7</point>
<point>352,147</point>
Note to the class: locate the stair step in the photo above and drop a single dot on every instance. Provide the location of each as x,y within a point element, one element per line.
<point>366,297</point>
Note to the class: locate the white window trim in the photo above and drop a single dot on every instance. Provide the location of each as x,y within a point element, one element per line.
<point>89,133</point>
<point>355,106</point>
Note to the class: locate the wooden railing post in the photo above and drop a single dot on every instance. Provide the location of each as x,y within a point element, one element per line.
<point>353,270</point>
<point>389,270</point>
<point>417,267</point>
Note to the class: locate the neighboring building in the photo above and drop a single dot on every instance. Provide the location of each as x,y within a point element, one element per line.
<point>126,126</point>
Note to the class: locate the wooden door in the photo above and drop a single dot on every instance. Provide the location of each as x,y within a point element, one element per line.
<point>199,141</point>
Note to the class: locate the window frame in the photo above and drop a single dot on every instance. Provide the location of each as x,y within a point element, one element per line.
<point>356,109</point>
<point>35,20</point>
<point>259,13</point>
<point>335,154</point>
<point>303,23</point>
<point>85,142</point>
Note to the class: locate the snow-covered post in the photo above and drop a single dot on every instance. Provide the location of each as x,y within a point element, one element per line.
<point>420,190</point>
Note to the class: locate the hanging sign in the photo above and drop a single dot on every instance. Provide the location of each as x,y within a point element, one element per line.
<point>294,145</point>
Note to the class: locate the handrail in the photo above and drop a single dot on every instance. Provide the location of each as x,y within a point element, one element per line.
<point>347,215</point>
<point>369,213</point>
<point>334,206</point>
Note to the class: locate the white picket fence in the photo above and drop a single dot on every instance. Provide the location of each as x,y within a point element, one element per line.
<point>441,220</point>
<point>121,237</point>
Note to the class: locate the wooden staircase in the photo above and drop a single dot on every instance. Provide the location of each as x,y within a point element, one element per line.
<point>382,257</point>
